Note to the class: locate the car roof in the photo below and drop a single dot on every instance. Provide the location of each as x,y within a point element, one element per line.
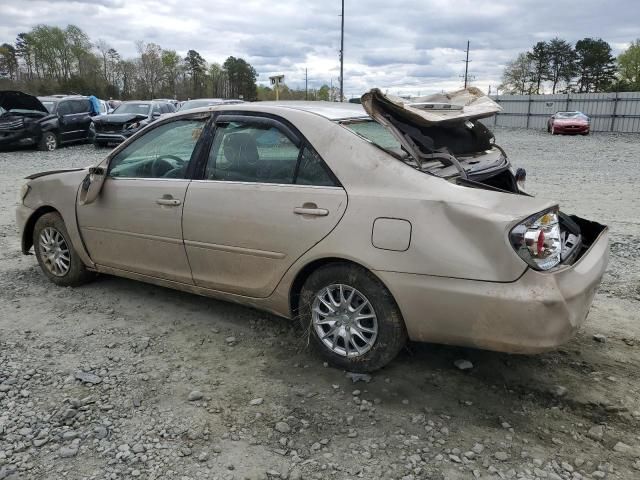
<point>330,110</point>
<point>57,98</point>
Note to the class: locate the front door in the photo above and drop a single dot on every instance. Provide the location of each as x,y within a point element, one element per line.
<point>134,223</point>
<point>265,198</point>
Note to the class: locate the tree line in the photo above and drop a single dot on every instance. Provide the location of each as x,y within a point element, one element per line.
<point>48,60</point>
<point>557,66</point>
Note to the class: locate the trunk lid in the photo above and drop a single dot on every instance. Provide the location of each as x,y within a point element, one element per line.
<point>442,135</point>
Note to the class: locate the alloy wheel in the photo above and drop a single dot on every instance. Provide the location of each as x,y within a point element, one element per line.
<point>344,320</point>
<point>54,252</point>
<point>51,142</point>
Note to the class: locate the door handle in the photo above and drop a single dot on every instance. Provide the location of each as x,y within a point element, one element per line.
<point>167,200</point>
<point>311,209</point>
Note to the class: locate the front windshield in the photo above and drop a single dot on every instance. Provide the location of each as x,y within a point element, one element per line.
<point>375,133</point>
<point>135,108</point>
<point>199,103</point>
<point>569,115</point>
<point>50,106</point>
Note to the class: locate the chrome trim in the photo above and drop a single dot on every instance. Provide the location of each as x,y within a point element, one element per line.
<point>271,184</point>
<point>144,236</point>
<point>232,249</point>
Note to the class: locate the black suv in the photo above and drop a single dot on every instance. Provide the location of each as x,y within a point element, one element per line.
<point>45,121</point>
<point>127,119</point>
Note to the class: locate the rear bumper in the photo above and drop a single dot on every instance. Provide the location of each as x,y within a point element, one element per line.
<point>537,312</point>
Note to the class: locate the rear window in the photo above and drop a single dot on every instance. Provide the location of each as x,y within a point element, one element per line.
<point>51,106</point>
<point>135,108</point>
<point>375,133</point>
<point>458,139</point>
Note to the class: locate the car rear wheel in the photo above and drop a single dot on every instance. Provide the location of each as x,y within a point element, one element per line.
<point>351,318</point>
<point>48,142</point>
<point>55,253</point>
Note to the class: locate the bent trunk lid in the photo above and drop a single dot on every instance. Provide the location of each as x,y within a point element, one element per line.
<point>440,108</point>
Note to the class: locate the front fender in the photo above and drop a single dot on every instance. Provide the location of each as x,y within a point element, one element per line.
<point>57,192</point>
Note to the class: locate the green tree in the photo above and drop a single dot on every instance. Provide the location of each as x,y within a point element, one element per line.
<point>242,78</point>
<point>9,61</point>
<point>196,66</point>
<point>323,93</point>
<point>539,57</point>
<point>596,65</point>
<point>629,67</point>
<point>562,62</point>
<point>172,69</point>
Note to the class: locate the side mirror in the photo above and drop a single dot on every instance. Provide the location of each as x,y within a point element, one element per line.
<point>91,185</point>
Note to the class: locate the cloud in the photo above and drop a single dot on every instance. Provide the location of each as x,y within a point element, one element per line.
<point>405,46</point>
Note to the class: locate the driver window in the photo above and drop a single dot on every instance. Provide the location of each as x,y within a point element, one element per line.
<point>163,152</point>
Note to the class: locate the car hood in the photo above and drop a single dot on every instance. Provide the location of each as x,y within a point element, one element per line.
<point>52,172</point>
<point>119,117</point>
<point>441,108</point>
<point>12,99</point>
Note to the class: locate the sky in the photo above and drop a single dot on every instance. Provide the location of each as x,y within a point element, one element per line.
<point>408,47</point>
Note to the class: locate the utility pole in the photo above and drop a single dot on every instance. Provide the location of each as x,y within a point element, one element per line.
<point>342,53</point>
<point>306,85</point>
<point>466,66</point>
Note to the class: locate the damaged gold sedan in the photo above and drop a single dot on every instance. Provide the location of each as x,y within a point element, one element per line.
<point>369,224</point>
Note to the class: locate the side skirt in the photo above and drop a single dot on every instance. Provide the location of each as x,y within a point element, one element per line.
<point>265,304</point>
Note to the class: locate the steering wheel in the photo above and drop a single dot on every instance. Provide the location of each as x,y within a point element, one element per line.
<point>161,165</point>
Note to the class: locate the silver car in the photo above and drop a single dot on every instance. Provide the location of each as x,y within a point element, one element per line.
<point>369,225</point>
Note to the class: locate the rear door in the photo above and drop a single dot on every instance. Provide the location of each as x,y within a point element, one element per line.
<point>264,198</point>
<point>75,119</point>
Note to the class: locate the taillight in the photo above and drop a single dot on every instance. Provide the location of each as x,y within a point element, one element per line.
<point>537,239</point>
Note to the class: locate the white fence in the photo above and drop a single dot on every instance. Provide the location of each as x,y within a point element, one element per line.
<point>609,112</point>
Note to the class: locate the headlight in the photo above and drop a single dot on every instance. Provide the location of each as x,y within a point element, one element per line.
<point>537,240</point>
<point>24,191</point>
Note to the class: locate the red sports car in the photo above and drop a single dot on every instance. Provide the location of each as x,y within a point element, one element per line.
<point>568,122</point>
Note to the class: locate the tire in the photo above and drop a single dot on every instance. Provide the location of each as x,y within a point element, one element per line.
<point>48,142</point>
<point>50,235</point>
<point>381,316</point>
<point>548,128</point>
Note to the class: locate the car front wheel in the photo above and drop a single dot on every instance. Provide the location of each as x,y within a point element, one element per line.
<point>48,142</point>
<point>55,253</point>
<point>351,318</point>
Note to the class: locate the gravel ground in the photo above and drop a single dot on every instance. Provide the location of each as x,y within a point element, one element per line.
<point>119,379</point>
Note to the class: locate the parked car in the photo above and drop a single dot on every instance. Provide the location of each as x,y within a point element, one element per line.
<point>45,122</point>
<point>569,122</point>
<point>369,226</point>
<point>206,102</point>
<point>126,120</point>
<point>172,101</point>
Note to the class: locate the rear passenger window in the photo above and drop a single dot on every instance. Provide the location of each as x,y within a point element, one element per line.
<point>80,106</point>
<point>243,152</point>
<point>313,171</point>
